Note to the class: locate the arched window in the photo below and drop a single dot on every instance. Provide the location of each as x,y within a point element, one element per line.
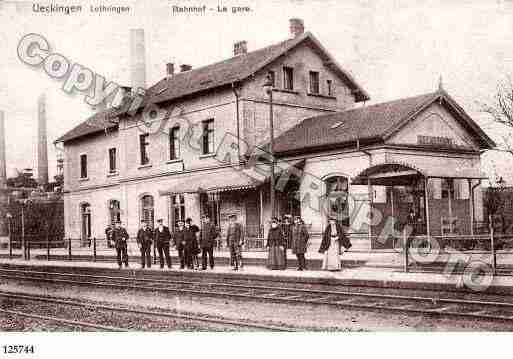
<point>147,209</point>
<point>85,214</point>
<point>337,198</point>
<point>114,211</point>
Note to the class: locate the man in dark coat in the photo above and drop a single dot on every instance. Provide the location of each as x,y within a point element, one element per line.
<point>162,238</point>
<point>234,241</point>
<point>208,236</point>
<point>190,245</point>
<point>299,242</point>
<point>195,248</point>
<point>179,239</point>
<point>120,237</point>
<point>144,241</point>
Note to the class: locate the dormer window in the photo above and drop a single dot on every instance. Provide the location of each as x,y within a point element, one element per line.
<point>288,78</point>
<point>314,82</point>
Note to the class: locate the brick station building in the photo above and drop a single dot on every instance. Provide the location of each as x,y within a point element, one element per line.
<point>420,153</point>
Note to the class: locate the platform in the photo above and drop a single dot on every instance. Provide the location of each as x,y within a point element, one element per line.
<point>378,270</point>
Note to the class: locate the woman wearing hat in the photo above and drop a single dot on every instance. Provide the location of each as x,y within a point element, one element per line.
<point>276,245</point>
<point>332,241</point>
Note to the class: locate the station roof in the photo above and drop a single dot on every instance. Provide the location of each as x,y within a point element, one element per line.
<point>373,123</point>
<point>210,77</point>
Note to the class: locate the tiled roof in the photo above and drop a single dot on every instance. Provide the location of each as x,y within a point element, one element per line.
<point>224,73</point>
<point>374,122</point>
<point>100,121</point>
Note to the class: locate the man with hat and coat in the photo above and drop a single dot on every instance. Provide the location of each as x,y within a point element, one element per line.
<point>162,238</point>
<point>208,236</point>
<point>144,241</point>
<point>120,237</point>
<point>299,242</point>
<point>234,241</point>
<point>179,240</point>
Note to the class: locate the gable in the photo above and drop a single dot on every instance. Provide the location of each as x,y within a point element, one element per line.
<point>435,126</point>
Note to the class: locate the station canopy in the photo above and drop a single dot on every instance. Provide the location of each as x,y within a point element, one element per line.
<point>394,173</point>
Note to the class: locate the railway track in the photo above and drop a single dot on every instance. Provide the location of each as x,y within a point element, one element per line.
<point>344,299</point>
<point>66,322</point>
<point>160,314</point>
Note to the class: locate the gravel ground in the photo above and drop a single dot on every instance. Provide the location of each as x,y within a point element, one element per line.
<point>304,316</point>
<point>103,317</point>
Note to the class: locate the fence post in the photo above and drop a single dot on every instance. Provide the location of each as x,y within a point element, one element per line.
<point>492,244</point>
<point>94,249</point>
<point>69,248</point>
<point>28,250</point>
<point>10,242</point>
<point>47,246</point>
<point>406,250</point>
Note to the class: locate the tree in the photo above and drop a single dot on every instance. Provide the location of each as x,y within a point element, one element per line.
<point>501,110</point>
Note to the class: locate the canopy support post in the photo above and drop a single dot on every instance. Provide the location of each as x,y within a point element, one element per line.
<point>471,202</point>
<point>369,189</point>
<point>428,231</point>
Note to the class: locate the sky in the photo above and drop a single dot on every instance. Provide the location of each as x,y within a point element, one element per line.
<point>394,49</point>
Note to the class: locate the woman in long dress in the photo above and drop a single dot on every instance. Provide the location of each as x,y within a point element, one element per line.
<point>276,245</point>
<point>333,240</point>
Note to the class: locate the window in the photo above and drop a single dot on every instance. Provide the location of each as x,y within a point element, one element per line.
<point>85,212</point>
<point>314,82</point>
<point>147,212</point>
<point>447,188</point>
<point>329,87</point>
<point>288,78</point>
<point>143,146</point>
<point>83,166</point>
<point>112,160</point>
<point>272,76</point>
<point>336,192</point>
<point>174,143</point>
<point>114,211</point>
<point>208,137</point>
<point>177,209</point>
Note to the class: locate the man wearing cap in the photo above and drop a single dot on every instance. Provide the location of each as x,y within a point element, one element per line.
<point>120,237</point>
<point>179,240</point>
<point>144,241</point>
<point>234,241</point>
<point>194,248</point>
<point>208,236</point>
<point>162,238</point>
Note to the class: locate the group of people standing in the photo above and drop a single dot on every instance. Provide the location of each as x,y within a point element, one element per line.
<point>295,236</point>
<point>190,241</point>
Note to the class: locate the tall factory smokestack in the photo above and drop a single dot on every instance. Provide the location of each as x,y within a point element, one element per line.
<point>3,171</point>
<point>137,59</point>
<point>42,146</point>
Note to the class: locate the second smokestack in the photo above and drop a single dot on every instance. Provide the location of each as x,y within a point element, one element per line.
<point>42,145</point>
<point>3,171</point>
<point>137,59</point>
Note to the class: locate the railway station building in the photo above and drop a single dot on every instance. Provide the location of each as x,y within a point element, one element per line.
<point>369,165</point>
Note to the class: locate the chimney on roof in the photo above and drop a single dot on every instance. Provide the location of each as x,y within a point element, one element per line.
<point>185,67</point>
<point>170,69</point>
<point>297,27</point>
<point>240,48</point>
<point>137,59</point>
